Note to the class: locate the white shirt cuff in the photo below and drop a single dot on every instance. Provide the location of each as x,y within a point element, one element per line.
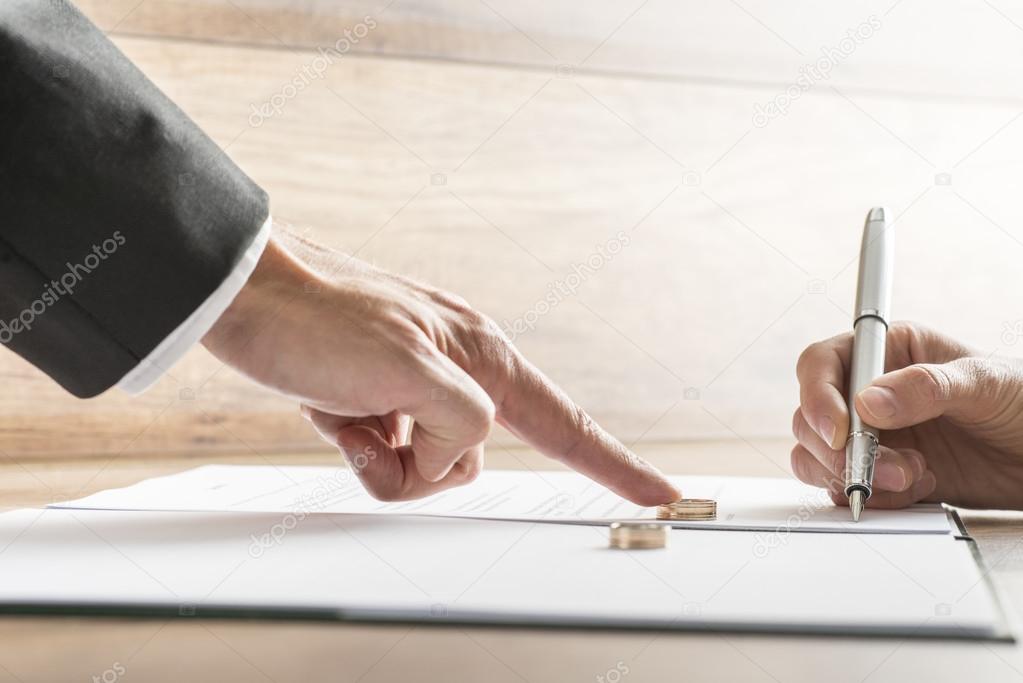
<point>170,350</point>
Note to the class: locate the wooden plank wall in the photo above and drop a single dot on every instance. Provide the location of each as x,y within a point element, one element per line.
<point>497,148</point>
<point>947,48</point>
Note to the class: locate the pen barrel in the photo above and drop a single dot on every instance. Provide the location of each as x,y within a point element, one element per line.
<point>867,364</point>
<point>877,267</point>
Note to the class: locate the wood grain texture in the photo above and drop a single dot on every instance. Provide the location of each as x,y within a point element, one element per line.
<point>513,187</point>
<point>946,49</point>
<point>742,248</point>
<point>169,651</point>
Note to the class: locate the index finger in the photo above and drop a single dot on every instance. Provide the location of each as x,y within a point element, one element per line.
<point>822,370</point>
<point>537,411</point>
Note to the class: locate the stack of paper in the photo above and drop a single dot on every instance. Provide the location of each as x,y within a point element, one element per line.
<point>308,543</point>
<point>744,503</point>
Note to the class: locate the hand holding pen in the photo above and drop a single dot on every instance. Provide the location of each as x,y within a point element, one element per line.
<point>950,420</point>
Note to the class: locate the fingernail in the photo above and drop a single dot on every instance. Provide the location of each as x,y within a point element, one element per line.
<point>889,476</point>
<point>917,462</point>
<point>927,485</point>
<point>879,401</point>
<point>674,495</point>
<point>826,429</point>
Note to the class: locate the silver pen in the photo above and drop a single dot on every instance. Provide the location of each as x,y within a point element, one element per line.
<point>870,330</point>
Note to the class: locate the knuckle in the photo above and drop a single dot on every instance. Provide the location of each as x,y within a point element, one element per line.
<point>469,469</point>
<point>408,337</point>
<point>419,353</point>
<point>490,335</point>
<point>384,491</point>
<point>925,336</point>
<point>996,384</point>
<point>963,377</point>
<point>909,328</point>
<point>979,374</point>
<point>487,344</point>
<point>808,356</point>
<point>326,434</point>
<point>797,424</point>
<point>384,495</point>
<point>479,420</point>
<point>923,343</point>
<point>480,428</point>
<point>796,463</point>
<point>931,383</point>
<point>472,319</point>
<point>901,332</point>
<point>819,357</point>
<point>452,301</point>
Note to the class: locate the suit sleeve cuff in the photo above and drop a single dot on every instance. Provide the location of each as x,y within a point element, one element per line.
<point>187,334</point>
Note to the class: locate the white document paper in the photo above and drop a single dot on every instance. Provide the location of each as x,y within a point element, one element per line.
<point>744,503</point>
<point>430,569</point>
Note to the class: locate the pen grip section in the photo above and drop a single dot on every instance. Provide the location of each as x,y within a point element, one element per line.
<point>866,366</point>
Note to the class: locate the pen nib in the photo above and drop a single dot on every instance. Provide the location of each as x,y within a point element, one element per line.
<point>856,504</point>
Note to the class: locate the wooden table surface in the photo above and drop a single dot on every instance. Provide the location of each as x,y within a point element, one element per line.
<point>65,649</point>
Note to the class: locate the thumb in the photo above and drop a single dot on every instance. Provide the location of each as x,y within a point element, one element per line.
<point>967,390</point>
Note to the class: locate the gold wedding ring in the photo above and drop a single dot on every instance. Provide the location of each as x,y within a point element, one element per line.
<point>689,509</point>
<point>639,535</point>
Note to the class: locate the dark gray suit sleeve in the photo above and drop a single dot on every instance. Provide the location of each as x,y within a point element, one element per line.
<point>118,216</point>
